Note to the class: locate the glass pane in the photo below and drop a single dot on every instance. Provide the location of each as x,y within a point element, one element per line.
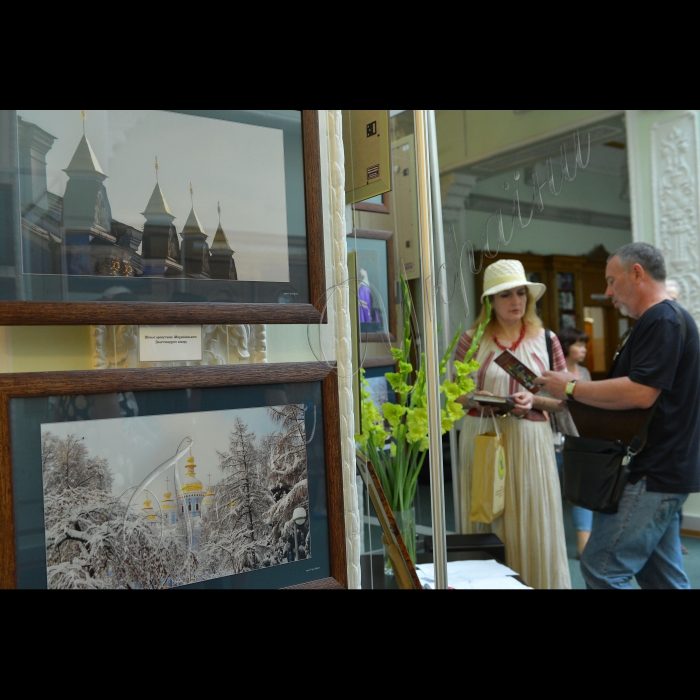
<point>153,205</point>
<point>167,488</point>
<point>517,185</point>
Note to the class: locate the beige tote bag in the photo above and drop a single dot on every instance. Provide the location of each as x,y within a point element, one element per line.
<point>489,476</point>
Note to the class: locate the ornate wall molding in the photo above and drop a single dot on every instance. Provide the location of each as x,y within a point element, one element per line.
<point>339,301</point>
<point>116,347</point>
<point>675,162</point>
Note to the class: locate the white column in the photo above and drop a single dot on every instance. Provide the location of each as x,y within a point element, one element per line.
<point>675,162</point>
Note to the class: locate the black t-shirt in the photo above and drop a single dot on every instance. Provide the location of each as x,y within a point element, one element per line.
<point>655,355</point>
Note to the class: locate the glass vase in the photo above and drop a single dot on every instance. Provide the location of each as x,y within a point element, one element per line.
<point>406,523</point>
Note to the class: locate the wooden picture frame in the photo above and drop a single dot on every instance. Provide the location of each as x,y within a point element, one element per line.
<point>25,401</point>
<point>58,298</point>
<point>404,570</point>
<point>390,300</point>
<point>375,208</point>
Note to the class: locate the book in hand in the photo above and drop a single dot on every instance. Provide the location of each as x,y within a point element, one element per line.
<point>522,374</point>
<point>502,404</point>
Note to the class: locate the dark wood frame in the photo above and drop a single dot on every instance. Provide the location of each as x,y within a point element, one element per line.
<point>106,382</point>
<point>382,208</point>
<point>70,313</point>
<point>391,302</point>
<point>404,570</point>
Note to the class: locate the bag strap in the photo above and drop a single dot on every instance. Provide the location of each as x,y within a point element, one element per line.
<point>495,425</point>
<point>495,422</point>
<point>550,352</point>
<point>684,326</point>
<point>639,439</point>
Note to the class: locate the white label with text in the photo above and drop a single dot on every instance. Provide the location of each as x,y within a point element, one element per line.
<point>170,343</point>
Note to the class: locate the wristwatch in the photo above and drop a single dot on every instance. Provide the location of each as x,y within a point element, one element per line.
<point>569,389</point>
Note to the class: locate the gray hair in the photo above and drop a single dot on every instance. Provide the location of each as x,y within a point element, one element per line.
<point>644,254</point>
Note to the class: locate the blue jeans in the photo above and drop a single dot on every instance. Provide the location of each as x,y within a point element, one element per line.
<point>583,518</point>
<point>642,539</point>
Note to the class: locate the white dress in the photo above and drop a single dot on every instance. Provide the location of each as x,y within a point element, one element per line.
<point>532,526</point>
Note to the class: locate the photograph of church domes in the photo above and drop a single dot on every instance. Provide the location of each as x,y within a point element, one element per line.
<point>151,193</point>
<point>152,502</point>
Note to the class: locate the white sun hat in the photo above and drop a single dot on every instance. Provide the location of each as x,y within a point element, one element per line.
<point>507,274</point>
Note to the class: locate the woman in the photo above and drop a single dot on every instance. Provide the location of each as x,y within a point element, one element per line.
<point>573,344</point>
<point>531,526</point>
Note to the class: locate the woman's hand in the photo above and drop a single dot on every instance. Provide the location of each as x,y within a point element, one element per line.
<point>468,399</point>
<point>487,410</point>
<point>523,403</point>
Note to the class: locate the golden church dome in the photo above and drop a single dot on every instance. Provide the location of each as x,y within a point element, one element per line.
<point>192,483</point>
<point>148,510</point>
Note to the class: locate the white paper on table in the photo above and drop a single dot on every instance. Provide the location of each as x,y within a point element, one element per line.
<point>499,583</point>
<point>472,574</point>
<point>469,570</point>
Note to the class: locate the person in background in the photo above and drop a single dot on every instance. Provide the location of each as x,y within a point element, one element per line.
<point>573,344</point>
<point>532,524</point>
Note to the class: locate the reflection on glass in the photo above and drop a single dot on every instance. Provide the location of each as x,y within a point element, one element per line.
<point>154,205</point>
<point>373,283</point>
<point>102,195</point>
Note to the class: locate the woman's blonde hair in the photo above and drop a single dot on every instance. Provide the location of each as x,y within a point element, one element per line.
<point>531,320</point>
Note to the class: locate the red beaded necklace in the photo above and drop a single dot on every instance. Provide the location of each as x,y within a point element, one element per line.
<point>514,346</point>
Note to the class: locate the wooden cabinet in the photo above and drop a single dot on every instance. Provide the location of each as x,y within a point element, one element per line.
<point>575,297</point>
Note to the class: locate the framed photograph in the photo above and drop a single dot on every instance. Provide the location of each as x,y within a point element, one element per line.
<point>167,216</point>
<point>197,477</point>
<point>375,283</point>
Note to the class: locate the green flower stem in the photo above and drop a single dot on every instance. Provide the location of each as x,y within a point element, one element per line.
<point>398,472</point>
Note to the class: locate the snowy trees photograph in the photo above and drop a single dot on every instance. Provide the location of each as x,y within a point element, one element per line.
<point>163,501</point>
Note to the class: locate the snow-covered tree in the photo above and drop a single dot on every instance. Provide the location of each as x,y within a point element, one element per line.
<point>234,533</point>
<point>66,464</point>
<point>93,539</point>
<point>285,452</point>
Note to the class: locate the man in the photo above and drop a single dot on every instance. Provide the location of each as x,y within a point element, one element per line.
<point>642,539</point>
